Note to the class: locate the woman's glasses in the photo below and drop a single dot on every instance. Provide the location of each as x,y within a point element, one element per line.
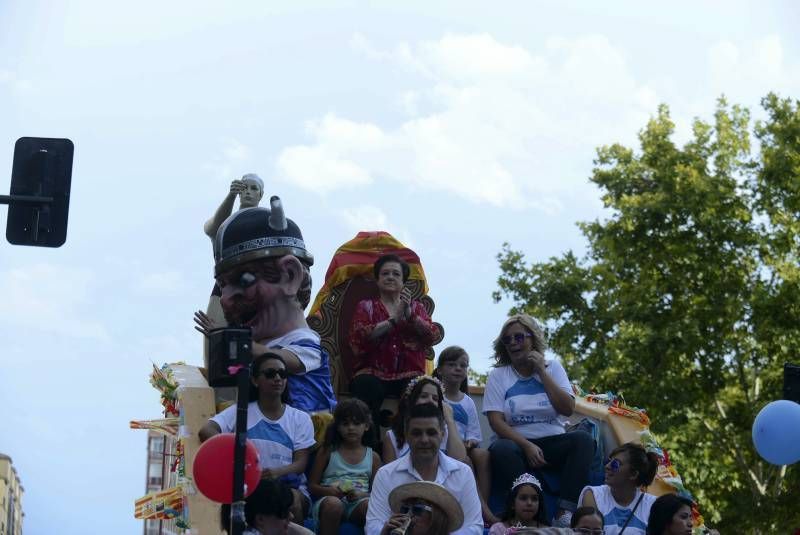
<point>416,509</point>
<point>270,373</point>
<point>516,338</point>
<point>614,465</point>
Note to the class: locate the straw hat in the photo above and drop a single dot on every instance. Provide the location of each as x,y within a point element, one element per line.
<point>432,493</point>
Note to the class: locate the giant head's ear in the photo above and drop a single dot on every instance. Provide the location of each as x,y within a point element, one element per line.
<point>291,275</point>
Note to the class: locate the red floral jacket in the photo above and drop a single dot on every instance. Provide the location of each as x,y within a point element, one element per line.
<point>397,355</point>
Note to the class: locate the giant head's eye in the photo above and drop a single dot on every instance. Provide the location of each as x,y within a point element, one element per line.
<point>246,279</point>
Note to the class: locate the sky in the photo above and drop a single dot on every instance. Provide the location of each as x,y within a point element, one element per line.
<point>454,125</point>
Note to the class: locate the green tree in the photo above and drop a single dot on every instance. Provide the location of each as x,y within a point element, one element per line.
<point>688,298</point>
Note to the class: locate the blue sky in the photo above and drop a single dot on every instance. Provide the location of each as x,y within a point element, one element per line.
<point>454,125</point>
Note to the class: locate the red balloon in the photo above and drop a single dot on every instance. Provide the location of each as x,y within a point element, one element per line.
<point>213,468</point>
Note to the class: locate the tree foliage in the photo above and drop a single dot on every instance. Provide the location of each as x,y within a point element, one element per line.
<point>688,298</point>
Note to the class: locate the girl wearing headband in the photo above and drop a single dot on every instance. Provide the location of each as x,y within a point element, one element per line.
<point>422,389</point>
<point>524,507</point>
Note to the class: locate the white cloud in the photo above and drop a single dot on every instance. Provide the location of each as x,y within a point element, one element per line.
<point>475,57</point>
<point>235,151</point>
<point>500,124</point>
<point>232,160</point>
<point>497,121</point>
<point>160,283</point>
<point>364,218</point>
<point>371,218</point>
<point>750,70</point>
<point>319,169</point>
<point>51,299</point>
<point>14,82</point>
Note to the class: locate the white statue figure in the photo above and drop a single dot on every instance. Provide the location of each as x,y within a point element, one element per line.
<point>249,189</point>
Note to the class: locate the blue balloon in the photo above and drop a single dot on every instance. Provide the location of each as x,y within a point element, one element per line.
<point>776,432</point>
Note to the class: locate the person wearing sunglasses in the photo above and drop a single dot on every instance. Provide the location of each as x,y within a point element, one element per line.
<point>425,508</point>
<point>282,434</point>
<point>621,500</point>
<point>424,462</point>
<point>526,400</point>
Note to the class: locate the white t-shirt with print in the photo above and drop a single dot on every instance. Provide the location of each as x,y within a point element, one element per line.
<point>524,402</point>
<point>466,416</point>
<point>615,515</point>
<point>275,440</point>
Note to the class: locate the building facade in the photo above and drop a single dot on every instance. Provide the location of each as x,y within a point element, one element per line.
<point>11,491</point>
<point>160,453</point>
<point>155,474</point>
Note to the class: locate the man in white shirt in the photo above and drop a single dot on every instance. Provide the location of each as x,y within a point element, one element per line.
<point>424,432</point>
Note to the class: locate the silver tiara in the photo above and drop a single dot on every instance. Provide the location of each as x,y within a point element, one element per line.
<point>526,479</point>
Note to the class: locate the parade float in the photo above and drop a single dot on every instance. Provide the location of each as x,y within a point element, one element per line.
<point>188,401</point>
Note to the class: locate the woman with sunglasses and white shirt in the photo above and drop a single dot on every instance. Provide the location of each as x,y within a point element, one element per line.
<point>622,502</point>
<point>282,434</point>
<point>526,401</point>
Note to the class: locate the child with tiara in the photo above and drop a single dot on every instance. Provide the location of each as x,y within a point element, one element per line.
<point>422,389</point>
<point>343,469</point>
<point>452,368</point>
<point>524,507</point>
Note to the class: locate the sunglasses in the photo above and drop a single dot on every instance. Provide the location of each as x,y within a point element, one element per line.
<point>270,373</point>
<point>614,465</point>
<point>416,509</point>
<point>517,338</point>
<point>588,531</point>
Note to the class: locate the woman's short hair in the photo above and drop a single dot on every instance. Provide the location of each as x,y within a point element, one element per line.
<point>662,511</point>
<point>376,268</point>
<point>644,462</point>
<point>529,324</point>
<point>581,512</point>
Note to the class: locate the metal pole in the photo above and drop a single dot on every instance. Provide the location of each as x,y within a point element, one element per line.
<point>237,505</point>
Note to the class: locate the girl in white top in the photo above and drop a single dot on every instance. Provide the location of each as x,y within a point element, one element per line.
<point>452,368</point>
<point>422,389</point>
<point>620,500</point>
<point>282,434</point>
